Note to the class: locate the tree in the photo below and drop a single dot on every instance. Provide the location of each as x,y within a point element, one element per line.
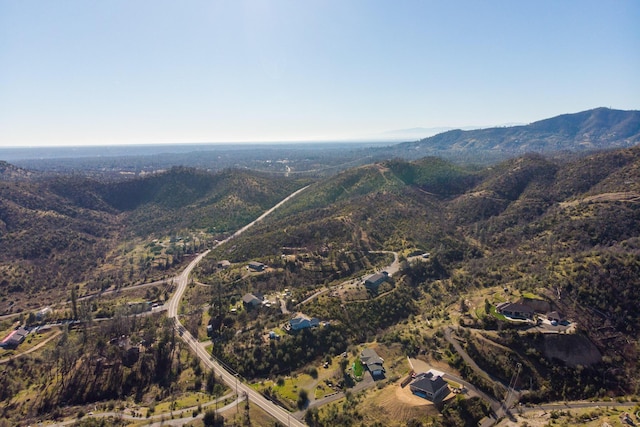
<point>303,399</point>
<point>213,419</point>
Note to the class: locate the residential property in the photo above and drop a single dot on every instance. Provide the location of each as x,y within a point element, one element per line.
<point>430,385</point>
<point>139,307</point>
<point>273,335</point>
<point>224,264</point>
<point>42,314</point>
<point>14,339</point>
<point>515,310</point>
<point>373,362</point>
<point>556,316</point>
<point>374,281</point>
<point>302,321</point>
<point>256,266</point>
<point>251,300</point>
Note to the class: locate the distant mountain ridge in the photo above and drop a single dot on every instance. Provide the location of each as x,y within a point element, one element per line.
<point>597,129</point>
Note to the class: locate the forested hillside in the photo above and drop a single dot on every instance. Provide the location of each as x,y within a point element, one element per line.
<point>596,129</point>
<point>565,230</point>
<point>63,231</point>
<point>459,239</point>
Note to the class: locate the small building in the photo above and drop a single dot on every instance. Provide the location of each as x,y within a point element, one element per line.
<point>273,335</point>
<point>42,314</point>
<point>373,362</point>
<point>556,316</point>
<point>430,385</point>
<point>224,264</point>
<point>139,307</point>
<point>256,266</point>
<point>14,339</point>
<point>250,300</point>
<point>302,321</point>
<point>515,310</point>
<point>374,281</point>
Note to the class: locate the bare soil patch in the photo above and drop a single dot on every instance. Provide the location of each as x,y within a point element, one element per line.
<point>627,196</point>
<point>398,405</point>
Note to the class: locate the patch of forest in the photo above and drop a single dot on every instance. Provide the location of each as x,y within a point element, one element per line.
<point>531,224</point>
<point>64,231</point>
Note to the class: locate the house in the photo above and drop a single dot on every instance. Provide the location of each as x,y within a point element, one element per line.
<point>14,339</point>
<point>372,361</point>
<point>42,314</point>
<point>515,310</point>
<point>374,281</point>
<point>139,307</point>
<point>302,321</point>
<point>224,264</point>
<point>273,335</point>
<point>250,300</point>
<point>430,385</point>
<point>556,316</point>
<point>256,266</point>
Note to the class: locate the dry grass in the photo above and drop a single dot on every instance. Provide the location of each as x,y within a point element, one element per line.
<point>395,406</point>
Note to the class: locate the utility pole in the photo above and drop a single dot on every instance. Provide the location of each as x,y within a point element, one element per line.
<point>511,390</point>
<point>237,395</point>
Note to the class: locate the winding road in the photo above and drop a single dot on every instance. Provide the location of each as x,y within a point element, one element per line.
<point>391,269</point>
<point>231,379</point>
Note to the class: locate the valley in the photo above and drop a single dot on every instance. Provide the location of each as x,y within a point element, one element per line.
<point>193,297</point>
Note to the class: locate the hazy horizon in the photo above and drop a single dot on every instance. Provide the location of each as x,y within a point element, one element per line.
<point>124,73</point>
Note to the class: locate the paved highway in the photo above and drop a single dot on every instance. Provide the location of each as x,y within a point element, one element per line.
<point>242,390</point>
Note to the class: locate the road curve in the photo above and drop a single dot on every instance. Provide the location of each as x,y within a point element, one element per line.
<point>242,390</point>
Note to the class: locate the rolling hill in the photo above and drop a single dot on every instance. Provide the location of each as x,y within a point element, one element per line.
<point>566,230</point>
<point>531,224</point>
<point>591,130</point>
<point>62,231</point>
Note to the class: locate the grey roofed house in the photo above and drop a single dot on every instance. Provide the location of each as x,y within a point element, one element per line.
<point>372,361</point>
<point>302,321</point>
<point>374,281</point>
<point>224,263</point>
<point>15,338</point>
<point>555,316</point>
<point>515,310</point>
<point>251,300</point>
<point>430,385</point>
<point>256,266</point>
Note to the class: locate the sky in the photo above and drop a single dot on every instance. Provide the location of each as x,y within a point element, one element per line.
<point>140,72</point>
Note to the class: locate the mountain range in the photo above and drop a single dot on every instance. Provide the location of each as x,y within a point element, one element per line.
<point>561,231</point>
<point>596,129</point>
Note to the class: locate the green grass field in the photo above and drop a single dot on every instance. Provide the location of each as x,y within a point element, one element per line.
<point>358,369</point>
<point>497,315</point>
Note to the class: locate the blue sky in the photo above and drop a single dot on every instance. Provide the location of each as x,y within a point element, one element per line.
<point>122,71</point>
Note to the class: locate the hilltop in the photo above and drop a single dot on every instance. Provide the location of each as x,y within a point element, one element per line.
<point>530,225</point>
<point>591,130</point>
